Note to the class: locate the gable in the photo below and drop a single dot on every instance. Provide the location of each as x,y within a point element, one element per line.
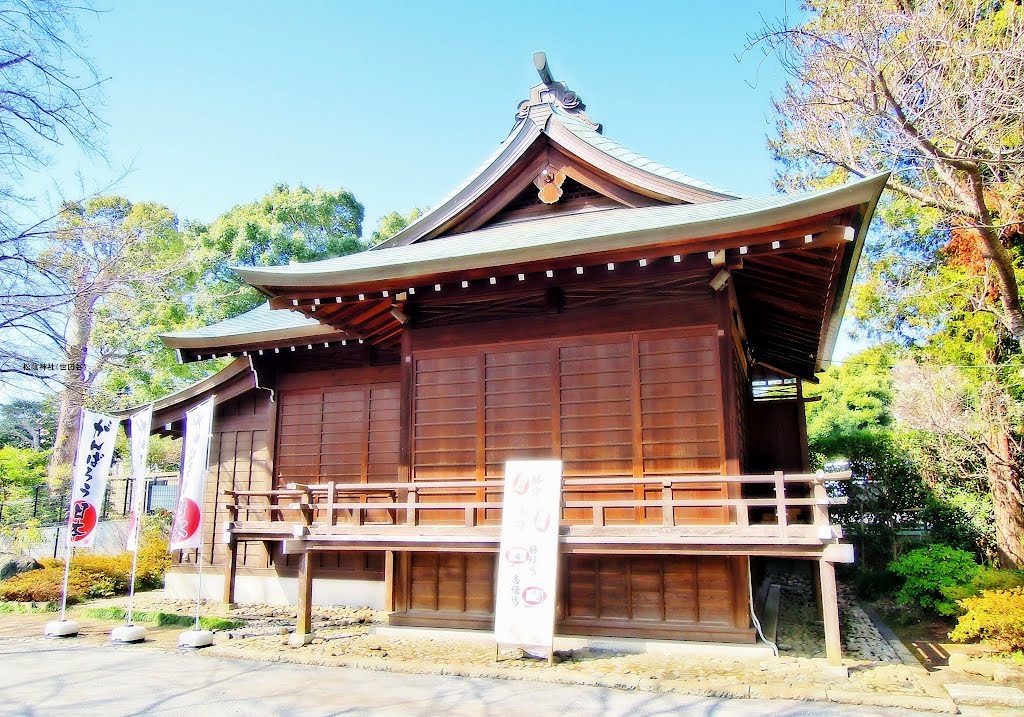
<point>517,194</point>
<point>554,138</point>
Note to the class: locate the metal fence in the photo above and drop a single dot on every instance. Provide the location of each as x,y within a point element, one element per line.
<point>161,494</point>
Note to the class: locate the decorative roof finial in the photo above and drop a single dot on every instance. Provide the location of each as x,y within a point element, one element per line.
<point>554,94</point>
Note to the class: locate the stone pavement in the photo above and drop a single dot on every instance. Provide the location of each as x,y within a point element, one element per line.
<point>345,638</point>
<point>48,677</point>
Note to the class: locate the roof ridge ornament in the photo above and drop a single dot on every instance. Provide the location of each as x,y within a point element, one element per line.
<point>553,94</point>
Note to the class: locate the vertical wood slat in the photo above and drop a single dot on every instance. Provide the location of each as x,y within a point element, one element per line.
<point>639,514</point>
<point>481,432</point>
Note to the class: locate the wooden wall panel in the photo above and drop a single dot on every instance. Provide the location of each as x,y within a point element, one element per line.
<point>238,460</point>
<point>451,583</point>
<point>624,405</point>
<point>663,588</point>
<point>338,433</point>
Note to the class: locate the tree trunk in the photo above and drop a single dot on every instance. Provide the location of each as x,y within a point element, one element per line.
<point>74,389</point>
<point>1005,485</point>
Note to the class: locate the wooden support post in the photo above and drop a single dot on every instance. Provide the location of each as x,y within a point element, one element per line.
<point>830,612</point>
<point>304,621</point>
<point>230,568</point>
<point>389,580</point>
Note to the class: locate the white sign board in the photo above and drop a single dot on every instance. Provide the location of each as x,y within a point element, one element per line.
<point>186,531</point>
<point>527,584</point>
<point>92,464</point>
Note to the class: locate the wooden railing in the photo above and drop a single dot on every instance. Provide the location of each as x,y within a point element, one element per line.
<point>337,508</point>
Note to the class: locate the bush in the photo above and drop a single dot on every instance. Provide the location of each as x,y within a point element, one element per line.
<point>994,616</point>
<point>986,578</point>
<point>873,583</point>
<point>932,571</point>
<point>92,575</point>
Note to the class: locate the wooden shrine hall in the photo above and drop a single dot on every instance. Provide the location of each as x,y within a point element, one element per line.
<point>570,300</point>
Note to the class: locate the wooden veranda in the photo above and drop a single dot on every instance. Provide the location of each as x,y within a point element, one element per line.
<point>403,518</point>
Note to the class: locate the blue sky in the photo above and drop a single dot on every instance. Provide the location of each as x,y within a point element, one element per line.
<point>210,104</point>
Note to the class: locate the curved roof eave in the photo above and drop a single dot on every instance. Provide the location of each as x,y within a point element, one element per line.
<point>259,325</point>
<point>566,236</point>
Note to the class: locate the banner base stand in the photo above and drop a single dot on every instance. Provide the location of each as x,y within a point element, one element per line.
<point>61,628</point>
<point>127,634</point>
<point>195,638</point>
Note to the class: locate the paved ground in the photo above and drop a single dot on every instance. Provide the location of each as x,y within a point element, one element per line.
<point>44,677</point>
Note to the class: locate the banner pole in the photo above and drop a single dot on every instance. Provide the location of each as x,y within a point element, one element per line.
<point>67,570</point>
<point>199,590</point>
<point>131,586</point>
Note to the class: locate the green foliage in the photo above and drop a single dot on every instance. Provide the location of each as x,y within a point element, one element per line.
<point>27,423</point>
<point>985,578</point>
<point>287,225</point>
<point>852,424</point>
<point>994,616</point>
<point>21,469</point>
<point>392,223</point>
<point>855,396</point>
<point>162,619</point>
<point>930,572</point>
<point>23,608</point>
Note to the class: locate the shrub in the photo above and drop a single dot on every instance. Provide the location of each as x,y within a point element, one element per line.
<point>873,583</point>
<point>986,578</point>
<point>93,575</point>
<point>930,571</point>
<point>994,616</point>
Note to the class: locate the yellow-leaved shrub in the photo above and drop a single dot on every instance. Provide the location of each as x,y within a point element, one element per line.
<point>993,616</point>
<point>93,575</point>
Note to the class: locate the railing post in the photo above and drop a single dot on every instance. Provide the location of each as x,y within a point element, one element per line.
<point>668,511</point>
<point>821,517</point>
<point>331,518</point>
<point>306,507</point>
<point>410,512</point>
<point>598,516</point>
<point>470,517</point>
<point>780,503</point>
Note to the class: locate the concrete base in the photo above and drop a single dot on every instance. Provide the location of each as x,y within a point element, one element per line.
<point>61,628</point>
<point>297,639</point>
<point>128,634</point>
<point>836,672</point>
<point>578,642</point>
<point>271,589</point>
<point>195,638</point>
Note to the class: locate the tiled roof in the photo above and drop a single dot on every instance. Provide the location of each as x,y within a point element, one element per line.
<point>565,236</point>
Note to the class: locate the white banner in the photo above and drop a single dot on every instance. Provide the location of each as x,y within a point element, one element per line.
<point>96,437</point>
<point>141,423</point>
<point>524,604</point>
<point>187,530</point>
